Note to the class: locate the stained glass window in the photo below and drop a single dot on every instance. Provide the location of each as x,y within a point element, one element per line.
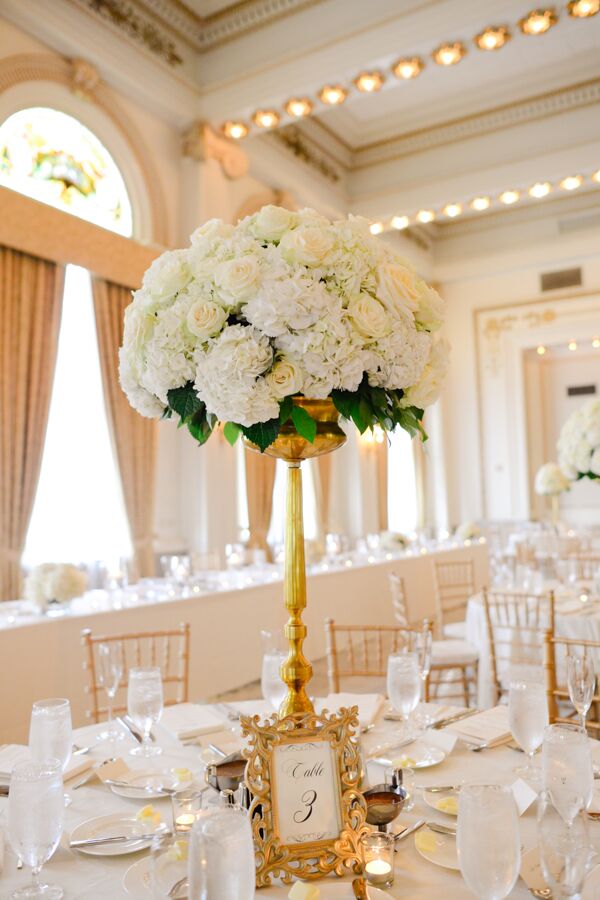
<point>52,157</point>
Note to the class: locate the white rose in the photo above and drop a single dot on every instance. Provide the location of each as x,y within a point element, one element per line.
<point>285,378</point>
<point>432,309</point>
<point>398,288</point>
<point>308,245</point>
<point>429,387</point>
<point>214,228</point>
<point>238,278</point>
<point>595,462</point>
<point>205,319</point>
<point>168,274</point>
<point>369,317</point>
<point>272,222</point>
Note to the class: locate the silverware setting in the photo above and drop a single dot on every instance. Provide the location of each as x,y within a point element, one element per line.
<point>79,751</point>
<point>450,720</point>
<point>116,839</point>
<point>143,788</point>
<point>132,731</point>
<point>410,830</point>
<point>442,829</point>
<point>439,788</point>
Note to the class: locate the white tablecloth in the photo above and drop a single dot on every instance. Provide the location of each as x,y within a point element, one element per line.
<point>44,656</point>
<point>93,878</point>
<point>572,619</point>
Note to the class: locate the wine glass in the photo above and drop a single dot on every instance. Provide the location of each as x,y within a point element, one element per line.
<point>567,769</point>
<point>274,690</point>
<point>36,812</point>
<point>565,850</point>
<point>421,643</point>
<point>110,672</point>
<point>581,680</point>
<point>221,855</point>
<point>488,841</point>
<point>145,705</point>
<point>404,684</point>
<point>528,715</point>
<point>51,733</point>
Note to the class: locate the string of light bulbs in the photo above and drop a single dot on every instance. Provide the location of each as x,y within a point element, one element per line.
<point>537,22</point>
<point>509,197</point>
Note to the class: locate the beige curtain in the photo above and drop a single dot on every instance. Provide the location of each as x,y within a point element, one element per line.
<point>421,480</point>
<point>324,470</point>
<point>260,480</point>
<point>133,436</point>
<point>30,304</point>
<point>382,483</point>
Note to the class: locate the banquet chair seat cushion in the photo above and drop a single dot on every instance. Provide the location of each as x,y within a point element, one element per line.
<point>457,630</point>
<point>458,653</point>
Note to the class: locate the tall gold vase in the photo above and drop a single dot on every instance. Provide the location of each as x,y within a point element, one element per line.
<point>296,671</point>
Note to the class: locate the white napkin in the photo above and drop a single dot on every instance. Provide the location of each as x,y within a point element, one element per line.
<point>523,794</point>
<point>443,740</point>
<point>189,720</point>
<point>489,727</point>
<point>12,754</point>
<point>369,705</point>
<point>253,707</point>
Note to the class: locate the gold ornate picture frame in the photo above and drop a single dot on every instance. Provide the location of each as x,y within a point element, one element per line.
<point>307,813</point>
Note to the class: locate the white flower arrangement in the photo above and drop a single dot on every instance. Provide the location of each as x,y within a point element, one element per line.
<point>550,480</point>
<point>468,531</point>
<point>579,443</point>
<point>393,540</point>
<point>285,303</point>
<point>54,582</point>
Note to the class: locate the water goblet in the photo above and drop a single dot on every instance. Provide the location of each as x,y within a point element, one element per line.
<point>487,840</point>
<point>169,865</point>
<point>51,733</point>
<point>581,680</point>
<point>145,705</point>
<point>36,813</point>
<point>528,715</point>
<point>273,688</point>
<point>404,685</point>
<point>565,850</point>
<point>567,770</point>
<point>221,855</point>
<point>110,672</point>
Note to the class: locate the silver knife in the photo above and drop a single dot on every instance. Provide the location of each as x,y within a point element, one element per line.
<point>410,830</point>
<point>442,829</point>
<point>134,734</point>
<point>439,788</point>
<point>131,725</point>
<point>117,839</point>
<point>441,723</point>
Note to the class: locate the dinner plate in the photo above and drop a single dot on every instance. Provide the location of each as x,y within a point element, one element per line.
<point>417,755</point>
<point>342,890</point>
<point>139,780</point>
<point>109,826</point>
<point>437,848</point>
<point>137,879</point>
<point>432,800</point>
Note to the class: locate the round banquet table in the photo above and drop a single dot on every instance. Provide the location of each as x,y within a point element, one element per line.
<point>95,878</point>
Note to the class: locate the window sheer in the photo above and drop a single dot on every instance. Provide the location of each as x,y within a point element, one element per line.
<point>402,483</point>
<point>309,503</point>
<point>78,514</point>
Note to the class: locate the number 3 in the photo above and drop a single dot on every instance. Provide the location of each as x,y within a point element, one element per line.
<point>308,798</point>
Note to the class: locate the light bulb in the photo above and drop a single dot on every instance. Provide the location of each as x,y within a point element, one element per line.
<point>572,345</point>
<point>266,118</point>
<point>493,38</point>
<point>452,210</point>
<point>538,21</point>
<point>235,130</point>
<point>408,68</point>
<point>540,350</point>
<point>376,227</point>
<point>480,203</point>
<point>299,107</point>
<point>449,54</point>
<point>540,189</point>
<point>583,9</point>
<point>571,182</point>
<point>333,94</point>
<point>425,215</point>
<point>369,82</point>
<point>400,222</point>
<point>509,197</point>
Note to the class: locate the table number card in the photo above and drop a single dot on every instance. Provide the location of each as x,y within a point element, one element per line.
<point>307,812</point>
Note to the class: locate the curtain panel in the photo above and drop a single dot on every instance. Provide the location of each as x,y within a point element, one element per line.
<point>133,437</point>
<point>31,292</point>
<point>260,481</point>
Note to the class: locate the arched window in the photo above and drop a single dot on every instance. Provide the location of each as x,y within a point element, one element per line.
<point>52,157</point>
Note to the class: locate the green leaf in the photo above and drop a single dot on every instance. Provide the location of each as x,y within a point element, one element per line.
<point>285,410</point>
<point>231,432</point>
<point>262,434</point>
<point>185,401</point>
<point>199,427</point>
<point>410,420</point>
<point>304,423</point>
<point>344,402</point>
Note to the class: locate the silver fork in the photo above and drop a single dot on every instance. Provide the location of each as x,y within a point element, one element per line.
<point>177,887</point>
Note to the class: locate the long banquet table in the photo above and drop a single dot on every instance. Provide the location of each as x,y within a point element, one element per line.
<point>42,657</point>
<point>95,878</point>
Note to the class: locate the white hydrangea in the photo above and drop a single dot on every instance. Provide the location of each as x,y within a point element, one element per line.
<point>579,442</point>
<point>550,480</point>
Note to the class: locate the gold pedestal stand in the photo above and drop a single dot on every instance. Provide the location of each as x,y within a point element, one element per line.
<point>296,671</point>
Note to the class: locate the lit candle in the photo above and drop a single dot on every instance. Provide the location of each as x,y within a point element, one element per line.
<point>378,855</point>
<point>378,871</point>
<point>185,821</point>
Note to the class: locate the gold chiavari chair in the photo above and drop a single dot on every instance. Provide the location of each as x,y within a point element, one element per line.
<point>168,649</point>
<point>558,696</point>
<point>515,624</point>
<point>453,661</point>
<point>585,565</point>
<point>361,651</point>
<point>454,585</point>
<point>525,554</point>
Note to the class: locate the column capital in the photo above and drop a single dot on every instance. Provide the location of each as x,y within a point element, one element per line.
<point>201,143</point>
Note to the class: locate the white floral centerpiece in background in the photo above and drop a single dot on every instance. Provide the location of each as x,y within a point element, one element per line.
<point>393,540</point>
<point>468,531</point>
<point>54,583</point>
<point>579,443</point>
<point>285,303</point>
<point>550,480</point>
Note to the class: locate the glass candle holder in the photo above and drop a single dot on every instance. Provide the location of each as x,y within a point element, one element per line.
<point>187,806</point>
<point>378,859</point>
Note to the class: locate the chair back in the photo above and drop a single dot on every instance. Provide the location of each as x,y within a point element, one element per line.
<point>361,651</point>
<point>398,598</point>
<point>515,624</point>
<point>556,652</point>
<point>454,585</point>
<point>585,565</point>
<point>168,649</point>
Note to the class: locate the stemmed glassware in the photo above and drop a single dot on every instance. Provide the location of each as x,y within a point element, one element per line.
<point>528,715</point>
<point>273,688</point>
<point>488,841</point>
<point>36,813</point>
<point>110,672</point>
<point>581,680</point>
<point>145,705</point>
<point>404,684</point>
<point>565,850</point>
<point>51,733</point>
<point>567,769</point>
